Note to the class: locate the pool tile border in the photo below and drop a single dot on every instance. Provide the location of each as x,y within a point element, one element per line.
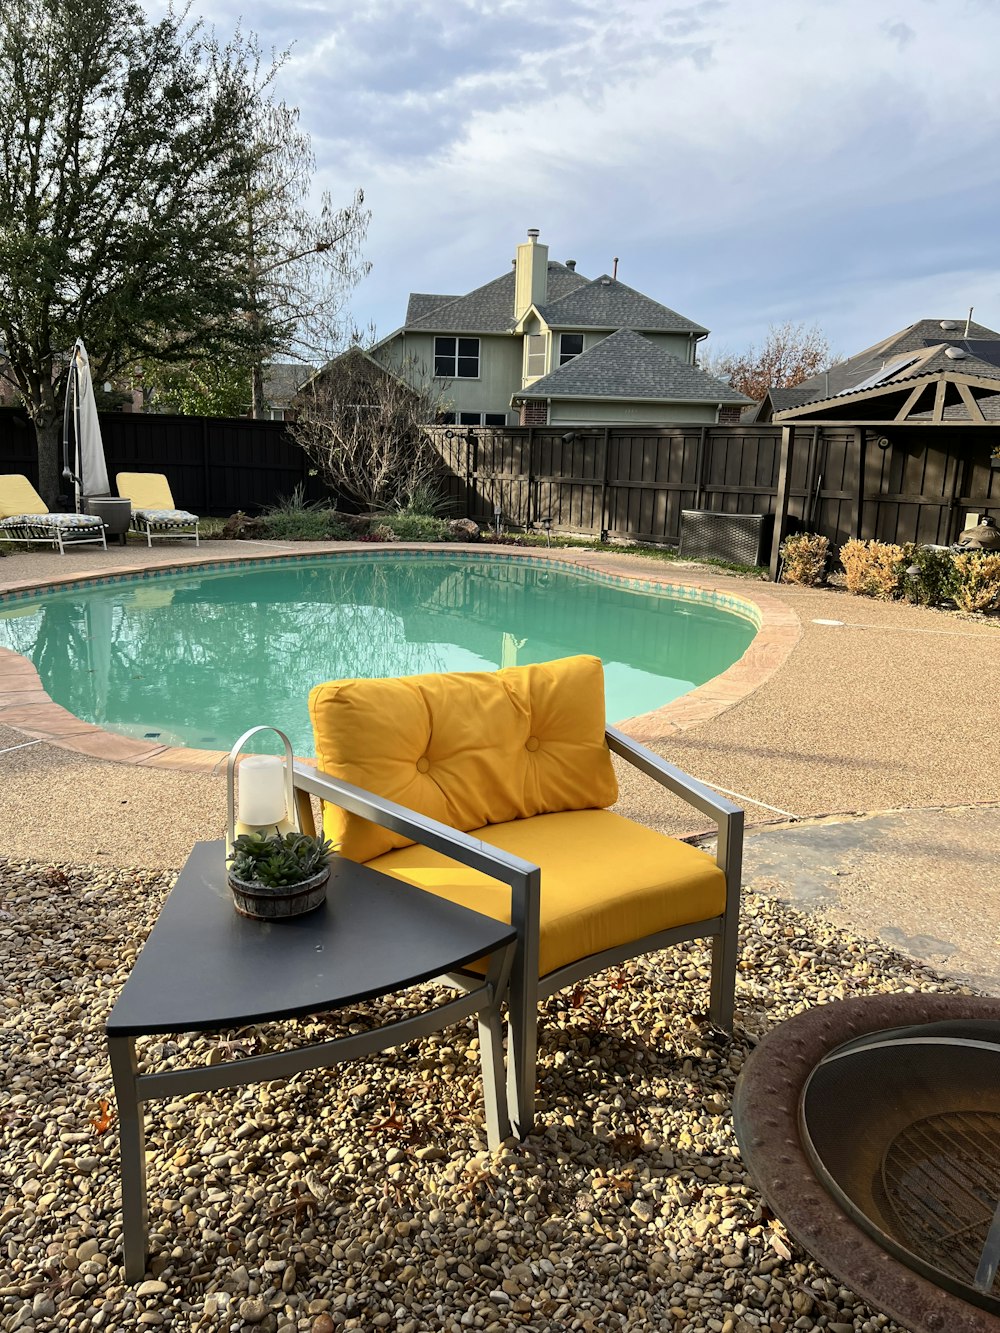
<point>26,707</point>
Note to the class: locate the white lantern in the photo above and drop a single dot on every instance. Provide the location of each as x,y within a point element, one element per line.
<point>266,797</point>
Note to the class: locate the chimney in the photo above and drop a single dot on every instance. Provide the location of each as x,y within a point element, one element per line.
<point>571,265</point>
<point>614,271</point>
<point>531,274</point>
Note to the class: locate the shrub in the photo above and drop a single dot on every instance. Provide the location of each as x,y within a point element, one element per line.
<point>933,581</point>
<point>301,525</point>
<point>414,527</point>
<point>426,498</point>
<point>875,569</point>
<point>977,580</point>
<point>803,558</point>
<point>296,503</point>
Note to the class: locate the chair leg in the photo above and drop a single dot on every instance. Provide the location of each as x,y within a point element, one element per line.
<point>522,1044</point>
<point>725,955</point>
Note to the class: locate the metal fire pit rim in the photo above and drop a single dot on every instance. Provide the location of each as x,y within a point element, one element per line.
<point>765,1115</point>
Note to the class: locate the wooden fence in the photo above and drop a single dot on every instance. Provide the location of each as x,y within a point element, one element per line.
<point>912,483</point>
<point>215,465</point>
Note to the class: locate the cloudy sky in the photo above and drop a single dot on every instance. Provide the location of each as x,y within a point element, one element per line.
<point>749,161</point>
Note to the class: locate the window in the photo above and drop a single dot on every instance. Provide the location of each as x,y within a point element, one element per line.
<point>456,358</point>
<point>482,419</point>
<point>535,363</point>
<point>445,418</point>
<point>570,345</point>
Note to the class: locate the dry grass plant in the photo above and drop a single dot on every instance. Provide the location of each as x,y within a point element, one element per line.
<point>803,558</point>
<point>977,583</point>
<point>874,569</point>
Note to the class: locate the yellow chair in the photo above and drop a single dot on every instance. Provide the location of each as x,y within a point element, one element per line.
<point>491,789</point>
<point>25,517</point>
<point>153,511</point>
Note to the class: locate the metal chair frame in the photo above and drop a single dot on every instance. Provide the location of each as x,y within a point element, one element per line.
<point>53,534</point>
<point>525,880</point>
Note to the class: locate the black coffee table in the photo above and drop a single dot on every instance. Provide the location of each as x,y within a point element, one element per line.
<point>206,968</point>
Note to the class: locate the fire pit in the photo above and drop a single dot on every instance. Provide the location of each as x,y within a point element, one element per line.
<point>872,1129</point>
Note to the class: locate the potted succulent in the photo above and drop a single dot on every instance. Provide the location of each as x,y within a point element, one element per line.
<point>274,876</point>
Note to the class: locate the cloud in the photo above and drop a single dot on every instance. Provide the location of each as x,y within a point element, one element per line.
<point>831,162</point>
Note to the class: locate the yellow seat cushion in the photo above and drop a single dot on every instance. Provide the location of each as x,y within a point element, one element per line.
<point>18,496</point>
<point>465,748</point>
<point>605,880</point>
<point>146,490</point>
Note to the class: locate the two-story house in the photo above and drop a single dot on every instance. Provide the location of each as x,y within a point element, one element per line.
<point>543,345</point>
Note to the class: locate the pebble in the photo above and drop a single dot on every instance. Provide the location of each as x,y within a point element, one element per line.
<point>363,1196</point>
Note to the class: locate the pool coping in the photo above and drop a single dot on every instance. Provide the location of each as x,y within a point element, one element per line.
<point>26,707</point>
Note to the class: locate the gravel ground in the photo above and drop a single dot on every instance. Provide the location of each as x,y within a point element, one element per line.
<point>363,1197</point>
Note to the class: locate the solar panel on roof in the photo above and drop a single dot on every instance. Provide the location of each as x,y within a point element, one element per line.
<point>886,373</point>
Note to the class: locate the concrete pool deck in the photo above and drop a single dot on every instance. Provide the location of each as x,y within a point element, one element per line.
<point>890,712</point>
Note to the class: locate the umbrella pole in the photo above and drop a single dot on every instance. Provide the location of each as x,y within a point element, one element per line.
<point>72,394</point>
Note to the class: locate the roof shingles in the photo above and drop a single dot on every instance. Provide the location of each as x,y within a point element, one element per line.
<point>627,365</point>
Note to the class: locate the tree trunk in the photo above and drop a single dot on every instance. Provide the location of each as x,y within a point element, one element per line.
<point>48,436</point>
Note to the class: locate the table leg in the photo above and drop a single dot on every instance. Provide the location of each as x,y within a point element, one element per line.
<point>132,1137</point>
<point>491,1051</point>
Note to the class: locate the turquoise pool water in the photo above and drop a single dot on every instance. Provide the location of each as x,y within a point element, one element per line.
<point>194,658</point>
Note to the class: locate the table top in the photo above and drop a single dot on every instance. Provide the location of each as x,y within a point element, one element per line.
<point>205,967</point>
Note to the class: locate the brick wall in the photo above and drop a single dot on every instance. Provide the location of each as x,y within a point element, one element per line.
<point>534,413</point>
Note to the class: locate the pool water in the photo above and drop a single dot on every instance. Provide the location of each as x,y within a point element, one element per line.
<point>194,659</point>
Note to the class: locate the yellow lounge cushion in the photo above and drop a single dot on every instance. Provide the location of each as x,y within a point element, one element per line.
<point>146,490</point>
<point>465,748</point>
<point>18,496</point>
<point>605,880</point>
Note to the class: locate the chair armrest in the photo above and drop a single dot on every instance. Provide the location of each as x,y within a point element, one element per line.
<point>522,876</point>
<point>727,817</point>
<point>689,789</point>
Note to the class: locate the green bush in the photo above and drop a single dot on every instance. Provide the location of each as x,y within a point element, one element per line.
<point>933,578</point>
<point>412,527</point>
<point>425,499</point>
<point>302,525</point>
<point>803,558</point>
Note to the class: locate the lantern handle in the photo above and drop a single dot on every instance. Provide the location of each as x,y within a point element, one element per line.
<point>291,811</point>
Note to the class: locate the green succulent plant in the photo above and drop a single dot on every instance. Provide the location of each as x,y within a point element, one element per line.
<point>277,860</point>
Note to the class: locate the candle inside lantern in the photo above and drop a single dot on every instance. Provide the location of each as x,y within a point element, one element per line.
<point>262,794</point>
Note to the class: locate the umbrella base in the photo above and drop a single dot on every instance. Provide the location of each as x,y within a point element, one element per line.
<point>115,512</point>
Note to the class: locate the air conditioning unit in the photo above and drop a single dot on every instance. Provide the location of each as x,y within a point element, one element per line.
<point>743,539</point>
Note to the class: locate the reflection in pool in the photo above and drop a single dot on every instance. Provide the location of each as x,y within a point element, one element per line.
<point>193,660</point>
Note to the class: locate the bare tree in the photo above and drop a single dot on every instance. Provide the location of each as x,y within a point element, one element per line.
<point>790,354</point>
<point>362,426</point>
<point>301,264</point>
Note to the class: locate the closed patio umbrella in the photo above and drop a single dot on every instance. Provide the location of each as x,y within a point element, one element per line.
<point>90,471</point>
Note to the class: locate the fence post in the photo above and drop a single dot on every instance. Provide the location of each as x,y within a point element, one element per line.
<point>469,446</point>
<point>699,484</point>
<point>781,499</point>
<point>206,506</point>
<point>605,486</point>
<point>532,496</point>
<point>858,499</point>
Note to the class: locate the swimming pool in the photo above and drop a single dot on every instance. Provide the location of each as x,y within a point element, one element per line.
<point>192,658</point>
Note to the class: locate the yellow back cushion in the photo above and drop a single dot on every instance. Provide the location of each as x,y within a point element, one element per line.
<point>18,496</point>
<point>465,748</point>
<point>146,490</point>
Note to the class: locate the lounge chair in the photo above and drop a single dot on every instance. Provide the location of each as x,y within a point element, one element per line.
<point>491,789</point>
<point>24,517</point>
<point>154,513</point>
